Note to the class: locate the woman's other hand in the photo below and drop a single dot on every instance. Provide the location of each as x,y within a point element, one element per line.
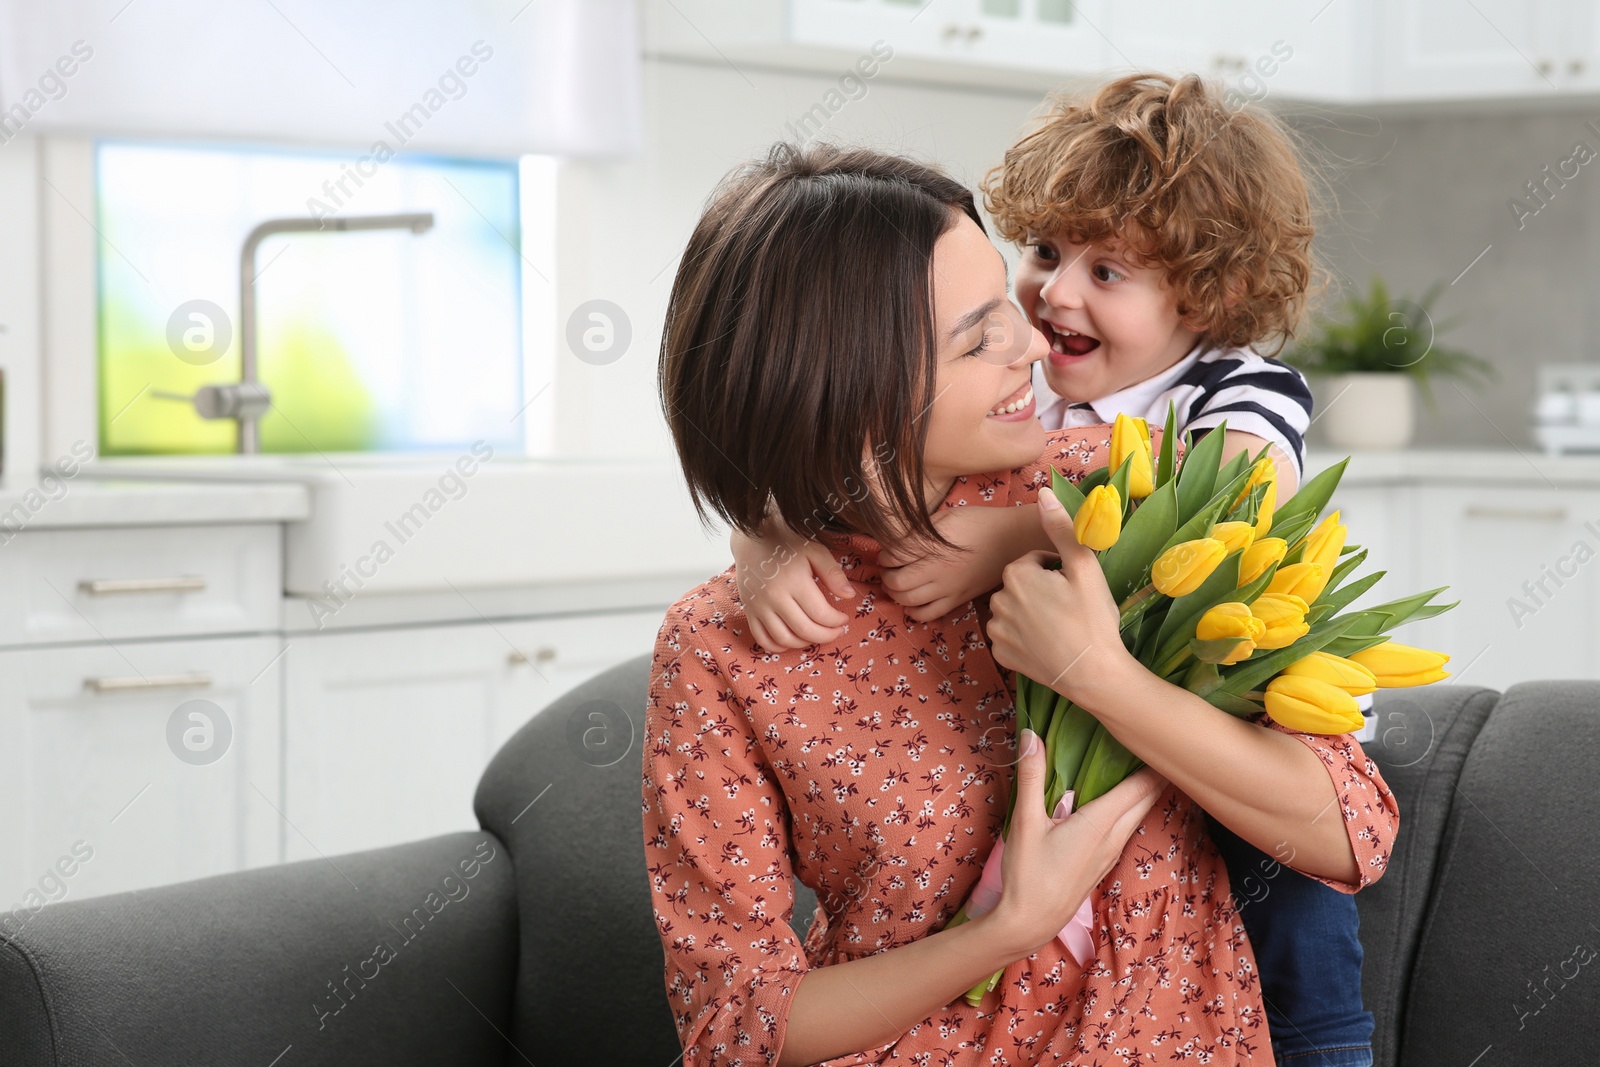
<point>1049,868</point>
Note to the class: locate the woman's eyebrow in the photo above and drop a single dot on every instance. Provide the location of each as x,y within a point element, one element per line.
<point>972,318</point>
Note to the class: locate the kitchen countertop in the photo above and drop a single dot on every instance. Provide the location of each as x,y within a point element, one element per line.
<point>84,501</point>
<point>1465,466</point>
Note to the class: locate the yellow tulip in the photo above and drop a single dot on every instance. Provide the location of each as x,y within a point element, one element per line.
<point>1324,544</point>
<point>1396,666</point>
<point>1283,615</point>
<point>1312,706</point>
<point>1264,470</point>
<point>1131,437</point>
<point>1231,620</point>
<point>1348,675</point>
<point>1098,522</point>
<point>1269,504</point>
<point>1180,569</point>
<point>1304,580</point>
<point>1236,535</point>
<point>1261,554</point>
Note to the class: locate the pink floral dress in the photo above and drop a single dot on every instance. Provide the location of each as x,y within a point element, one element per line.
<point>876,770</point>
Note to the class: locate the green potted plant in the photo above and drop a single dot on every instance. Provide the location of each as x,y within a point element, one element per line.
<point>1374,353</point>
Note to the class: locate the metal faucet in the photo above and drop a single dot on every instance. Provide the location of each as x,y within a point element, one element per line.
<point>248,399</point>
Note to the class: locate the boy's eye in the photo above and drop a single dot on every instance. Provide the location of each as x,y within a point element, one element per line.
<point>1106,274</point>
<point>1042,251</point>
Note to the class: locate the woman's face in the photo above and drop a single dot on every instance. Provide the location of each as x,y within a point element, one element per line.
<point>982,415</point>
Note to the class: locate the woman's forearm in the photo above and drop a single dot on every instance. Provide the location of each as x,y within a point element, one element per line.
<point>1264,785</point>
<point>864,1003</point>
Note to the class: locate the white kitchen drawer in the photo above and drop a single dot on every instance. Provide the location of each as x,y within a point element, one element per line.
<point>103,767</point>
<point>153,581</point>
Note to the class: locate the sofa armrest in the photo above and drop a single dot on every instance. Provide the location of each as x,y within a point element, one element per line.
<point>394,956</point>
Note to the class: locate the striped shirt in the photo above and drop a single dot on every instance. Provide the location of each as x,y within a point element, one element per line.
<point>1254,394</point>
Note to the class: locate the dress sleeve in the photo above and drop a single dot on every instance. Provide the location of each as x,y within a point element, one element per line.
<point>1369,810</point>
<point>717,845</point>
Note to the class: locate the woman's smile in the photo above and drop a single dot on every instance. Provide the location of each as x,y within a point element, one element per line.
<point>1016,407</point>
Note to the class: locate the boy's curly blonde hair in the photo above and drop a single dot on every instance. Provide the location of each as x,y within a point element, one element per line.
<point>1214,195</point>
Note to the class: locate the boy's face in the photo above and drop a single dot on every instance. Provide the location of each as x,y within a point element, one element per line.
<point>1111,323</point>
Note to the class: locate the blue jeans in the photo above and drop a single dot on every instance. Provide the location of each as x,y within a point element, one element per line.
<point>1307,956</point>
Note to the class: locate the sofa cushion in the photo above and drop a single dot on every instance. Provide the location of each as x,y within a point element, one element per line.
<point>563,794</point>
<point>1508,955</point>
<point>1421,742</point>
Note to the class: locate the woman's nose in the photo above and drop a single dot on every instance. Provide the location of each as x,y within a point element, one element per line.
<point>1038,348</point>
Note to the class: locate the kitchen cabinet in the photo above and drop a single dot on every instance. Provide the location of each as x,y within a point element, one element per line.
<point>389,730</point>
<point>1302,49</point>
<point>1377,518</point>
<point>1522,562</point>
<point>91,776</point>
<point>1055,35</point>
<point>1480,48</point>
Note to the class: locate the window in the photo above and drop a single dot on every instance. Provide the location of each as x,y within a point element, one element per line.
<point>380,340</point>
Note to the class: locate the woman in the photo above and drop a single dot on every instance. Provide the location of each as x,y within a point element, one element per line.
<point>839,344</point>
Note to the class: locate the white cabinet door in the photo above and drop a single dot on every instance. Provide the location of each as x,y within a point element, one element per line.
<point>388,731</point>
<point>159,760</point>
<point>1523,564</point>
<point>1260,49</point>
<point>1472,48</point>
<point>1376,517</point>
<point>1046,35</point>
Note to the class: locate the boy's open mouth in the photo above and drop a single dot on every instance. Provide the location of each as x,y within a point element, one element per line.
<point>1069,343</point>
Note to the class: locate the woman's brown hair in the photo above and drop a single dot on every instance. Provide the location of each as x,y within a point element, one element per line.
<point>1213,194</point>
<point>797,359</point>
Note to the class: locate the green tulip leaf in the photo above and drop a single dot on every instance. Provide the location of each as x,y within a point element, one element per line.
<point>1239,464</point>
<point>1343,570</point>
<point>1349,646</point>
<point>1098,476</point>
<point>1197,476</point>
<point>1428,611</point>
<point>1243,707</point>
<point>1127,563</point>
<point>1337,601</point>
<point>1119,482</point>
<point>1407,607</point>
<point>1315,493</point>
<point>1214,651</point>
<point>1166,463</point>
<point>1070,495</point>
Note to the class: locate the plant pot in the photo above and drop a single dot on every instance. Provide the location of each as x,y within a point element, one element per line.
<point>1369,410</point>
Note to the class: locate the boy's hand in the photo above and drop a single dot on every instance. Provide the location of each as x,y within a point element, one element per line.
<point>777,575</point>
<point>936,584</point>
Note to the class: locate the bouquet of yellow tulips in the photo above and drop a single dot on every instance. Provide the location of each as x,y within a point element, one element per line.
<point>1225,592</point>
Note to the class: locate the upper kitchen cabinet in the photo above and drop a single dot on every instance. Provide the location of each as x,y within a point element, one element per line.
<point>1261,49</point>
<point>1053,36</point>
<point>1451,49</point>
<point>1028,43</point>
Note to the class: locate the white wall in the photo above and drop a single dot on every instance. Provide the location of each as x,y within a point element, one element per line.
<point>624,224</point>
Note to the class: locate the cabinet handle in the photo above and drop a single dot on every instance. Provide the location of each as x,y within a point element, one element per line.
<point>192,680</point>
<point>1545,67</point>
<point>117,586</point>
<point>1575,67</point>
<point>1528,514</point>
<point>519,658</point>
<point>974,32</point>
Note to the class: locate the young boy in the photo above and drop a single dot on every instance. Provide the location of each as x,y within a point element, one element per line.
<point>1164,235</point>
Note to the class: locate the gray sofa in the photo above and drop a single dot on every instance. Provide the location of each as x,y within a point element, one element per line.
<point>531,940</point>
